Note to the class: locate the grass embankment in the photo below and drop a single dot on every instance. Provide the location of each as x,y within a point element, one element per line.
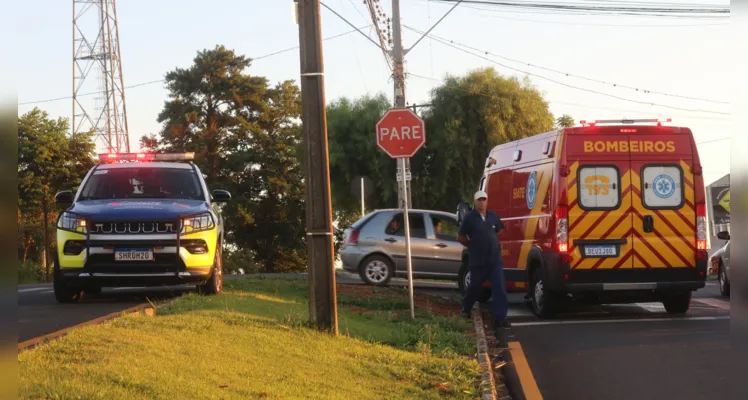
<point>251,342</point>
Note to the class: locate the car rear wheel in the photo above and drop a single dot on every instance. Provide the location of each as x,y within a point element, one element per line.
<point>215,283</point>
<point>724,283</point>
<point>463,282</point>
<point>376,270</point>
<point>678,303</point>
<point>64,293</point>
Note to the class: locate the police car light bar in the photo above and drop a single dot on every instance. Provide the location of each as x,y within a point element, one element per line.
<point>625,121</point>
<point>113,157</point>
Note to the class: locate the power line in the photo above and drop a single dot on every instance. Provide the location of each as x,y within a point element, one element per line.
<point>162,80</point>
<point>475,92</point>
<point>577,87</point>
<point>568,74</point>
<point>714,140</point>
<point>494,11</point>
<point>620,10</point>
<point>638,111</point>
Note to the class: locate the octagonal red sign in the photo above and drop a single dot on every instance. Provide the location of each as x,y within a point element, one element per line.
<point>401,133</point>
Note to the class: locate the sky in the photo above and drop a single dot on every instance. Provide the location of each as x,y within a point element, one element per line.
<point>679,56</point>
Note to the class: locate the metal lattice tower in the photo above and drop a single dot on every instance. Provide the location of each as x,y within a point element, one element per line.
<point>98,84</point>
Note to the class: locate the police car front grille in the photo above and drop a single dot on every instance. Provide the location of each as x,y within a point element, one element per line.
<point>133,228</point>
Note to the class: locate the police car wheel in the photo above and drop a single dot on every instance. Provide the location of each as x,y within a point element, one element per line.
<point>92,290</point>
<point>215,283</point>
<point>63,292</point>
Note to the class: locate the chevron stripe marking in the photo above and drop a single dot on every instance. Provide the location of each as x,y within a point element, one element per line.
<point>652,249</point>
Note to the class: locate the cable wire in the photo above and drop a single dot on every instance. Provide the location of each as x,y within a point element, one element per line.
<point>577,87</point>
<point>475,92</point>
<point>568,74</point>
<point>162,80</point>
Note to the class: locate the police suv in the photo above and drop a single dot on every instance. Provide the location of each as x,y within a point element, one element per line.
<point>139,219</point>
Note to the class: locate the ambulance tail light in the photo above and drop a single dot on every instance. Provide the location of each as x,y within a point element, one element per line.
<point>562,229</point>
<point>700,227</point>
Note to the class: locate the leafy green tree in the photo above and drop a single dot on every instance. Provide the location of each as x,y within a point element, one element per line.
<point>247,139</point>
<point>353,152</point>
<point>469,115</point>
<point>48,160</point>
<point>565,121</point>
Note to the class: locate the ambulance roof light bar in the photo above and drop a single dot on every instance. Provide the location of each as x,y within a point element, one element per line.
<point>115,157</point>
<point>593,122</point>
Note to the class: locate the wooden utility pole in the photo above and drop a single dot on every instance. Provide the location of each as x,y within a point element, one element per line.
<point>398,74</point>
<point>323,310</point>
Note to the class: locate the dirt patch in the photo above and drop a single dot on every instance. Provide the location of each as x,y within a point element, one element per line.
<point>436,305</point>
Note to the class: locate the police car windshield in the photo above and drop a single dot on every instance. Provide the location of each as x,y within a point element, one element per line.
<point>141,183</point>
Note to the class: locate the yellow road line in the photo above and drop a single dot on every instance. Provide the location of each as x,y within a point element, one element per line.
<point>526,379</point>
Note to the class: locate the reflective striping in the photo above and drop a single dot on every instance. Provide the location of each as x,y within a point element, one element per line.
<point>641,259</point>
<point>685,219</point>
<point>654,253</point>
<point>687,174</point>
<point>669,244</point>
<point>604,225</point>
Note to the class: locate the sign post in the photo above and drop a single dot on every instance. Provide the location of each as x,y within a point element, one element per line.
<point>401,133</point>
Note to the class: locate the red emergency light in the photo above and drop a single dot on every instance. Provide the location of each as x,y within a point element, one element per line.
<point>112,157</point>
<point>593,122</point>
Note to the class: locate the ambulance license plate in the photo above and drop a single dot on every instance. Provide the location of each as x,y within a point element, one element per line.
<point>600,251</point>
<point>133,255</point>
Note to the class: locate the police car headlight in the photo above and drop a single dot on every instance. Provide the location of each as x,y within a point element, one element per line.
<point>71,222</point>
<point>198,223</point>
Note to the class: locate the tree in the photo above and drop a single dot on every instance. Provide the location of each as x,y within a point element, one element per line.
<point>565,121</point>
<point>209,101</point>
<point>48,160</point>
<point>247,139</point>
<point>469,115</point>
<point>271,215</point>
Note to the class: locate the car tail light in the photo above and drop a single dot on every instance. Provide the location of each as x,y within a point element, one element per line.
<point>562,229</point>
<point>353,238</point>
<point>701,227</point>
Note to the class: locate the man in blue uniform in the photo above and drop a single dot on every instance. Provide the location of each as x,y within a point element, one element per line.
<point>479,232</point>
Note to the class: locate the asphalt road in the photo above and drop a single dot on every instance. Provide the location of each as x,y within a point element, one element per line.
<point>629,351</point>
<point>40,314</point>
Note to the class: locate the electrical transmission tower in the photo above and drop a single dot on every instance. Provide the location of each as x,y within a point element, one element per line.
<point>98,85</point>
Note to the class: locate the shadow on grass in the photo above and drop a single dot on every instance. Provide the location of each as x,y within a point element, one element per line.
<point>384,319</point>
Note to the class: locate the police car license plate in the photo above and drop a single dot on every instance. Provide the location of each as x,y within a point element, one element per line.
<point>133,255</point>
<point>600,251</point>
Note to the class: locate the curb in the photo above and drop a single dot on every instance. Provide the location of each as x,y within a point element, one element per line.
<point>147,309</point>
<point>487,385</point>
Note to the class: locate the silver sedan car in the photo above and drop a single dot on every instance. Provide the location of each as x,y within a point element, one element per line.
<point>374,246</point>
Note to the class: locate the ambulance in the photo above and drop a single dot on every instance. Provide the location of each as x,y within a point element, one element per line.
<point>612,211</point>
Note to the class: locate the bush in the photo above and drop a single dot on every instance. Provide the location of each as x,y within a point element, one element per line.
<point>240,261</point>
<point>31,272</point>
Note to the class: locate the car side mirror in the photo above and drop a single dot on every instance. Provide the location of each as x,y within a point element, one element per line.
<point>221,196</point>
<point>462,209</point>
<point>724,235</point>
<point>64,197</point>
